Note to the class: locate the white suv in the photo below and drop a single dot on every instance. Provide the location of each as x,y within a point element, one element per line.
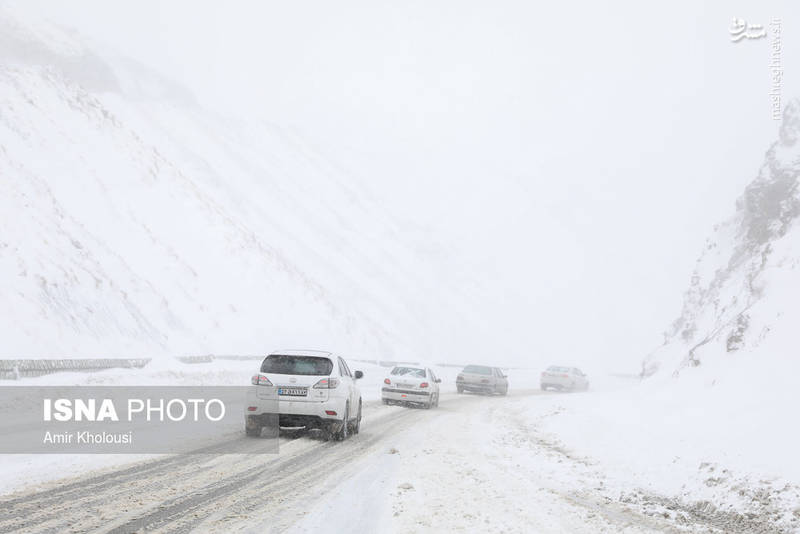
<point>311,389</point>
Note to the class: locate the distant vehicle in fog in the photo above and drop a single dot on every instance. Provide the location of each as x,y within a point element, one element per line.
<point>411,385</point>
<point>564,379</point>
<point>482,379</point>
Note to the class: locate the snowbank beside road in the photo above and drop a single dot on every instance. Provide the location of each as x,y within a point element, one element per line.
<point>698,444</point>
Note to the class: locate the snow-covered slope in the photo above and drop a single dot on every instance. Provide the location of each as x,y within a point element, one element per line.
<point>742,301</point>
<point>134,222</point>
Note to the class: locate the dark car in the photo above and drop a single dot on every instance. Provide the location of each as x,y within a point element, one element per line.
<point>482,379</point>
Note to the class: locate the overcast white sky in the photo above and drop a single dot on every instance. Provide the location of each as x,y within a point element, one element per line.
<point>575,155</point>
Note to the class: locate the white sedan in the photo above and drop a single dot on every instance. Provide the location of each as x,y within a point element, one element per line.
<point>411,385</point>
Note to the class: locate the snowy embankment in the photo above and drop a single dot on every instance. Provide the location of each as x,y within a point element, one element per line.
<point>713,450</point>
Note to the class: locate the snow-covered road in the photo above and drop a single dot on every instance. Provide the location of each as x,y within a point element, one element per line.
<point>474,464</point>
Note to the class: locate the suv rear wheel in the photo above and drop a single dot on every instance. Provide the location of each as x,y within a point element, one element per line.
<point>357,425</point>
<point>344,430</point>
<point>252,427</point>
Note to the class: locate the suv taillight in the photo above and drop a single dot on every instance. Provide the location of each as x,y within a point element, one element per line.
<point>260,380</point>
<point>424,385</point>
<point>387,381</point>
<point>327,383</point>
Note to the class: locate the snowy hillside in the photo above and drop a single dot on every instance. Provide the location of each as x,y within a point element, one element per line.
<point>743,294</point>
<point>152,226</point>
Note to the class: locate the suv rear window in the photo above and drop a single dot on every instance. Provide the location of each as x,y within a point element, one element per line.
<point>477,370</point>
<point>296,365</point>
<point>555,369</point>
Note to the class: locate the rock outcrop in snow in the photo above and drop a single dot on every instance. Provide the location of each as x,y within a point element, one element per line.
<point>744,290</point>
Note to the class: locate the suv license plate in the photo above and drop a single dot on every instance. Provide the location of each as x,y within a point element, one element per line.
<point>293,392</point>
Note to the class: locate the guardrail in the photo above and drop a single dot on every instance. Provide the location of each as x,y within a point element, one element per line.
<point>208,358</point>
<point>16,369</point>
<point>25,368</point>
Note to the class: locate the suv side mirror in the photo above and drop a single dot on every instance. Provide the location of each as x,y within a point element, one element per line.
<point>359,374</point>
<point>438,380</point>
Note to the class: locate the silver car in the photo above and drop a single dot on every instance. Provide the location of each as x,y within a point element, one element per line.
<point>564,378</point>
<point>482,379</point>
